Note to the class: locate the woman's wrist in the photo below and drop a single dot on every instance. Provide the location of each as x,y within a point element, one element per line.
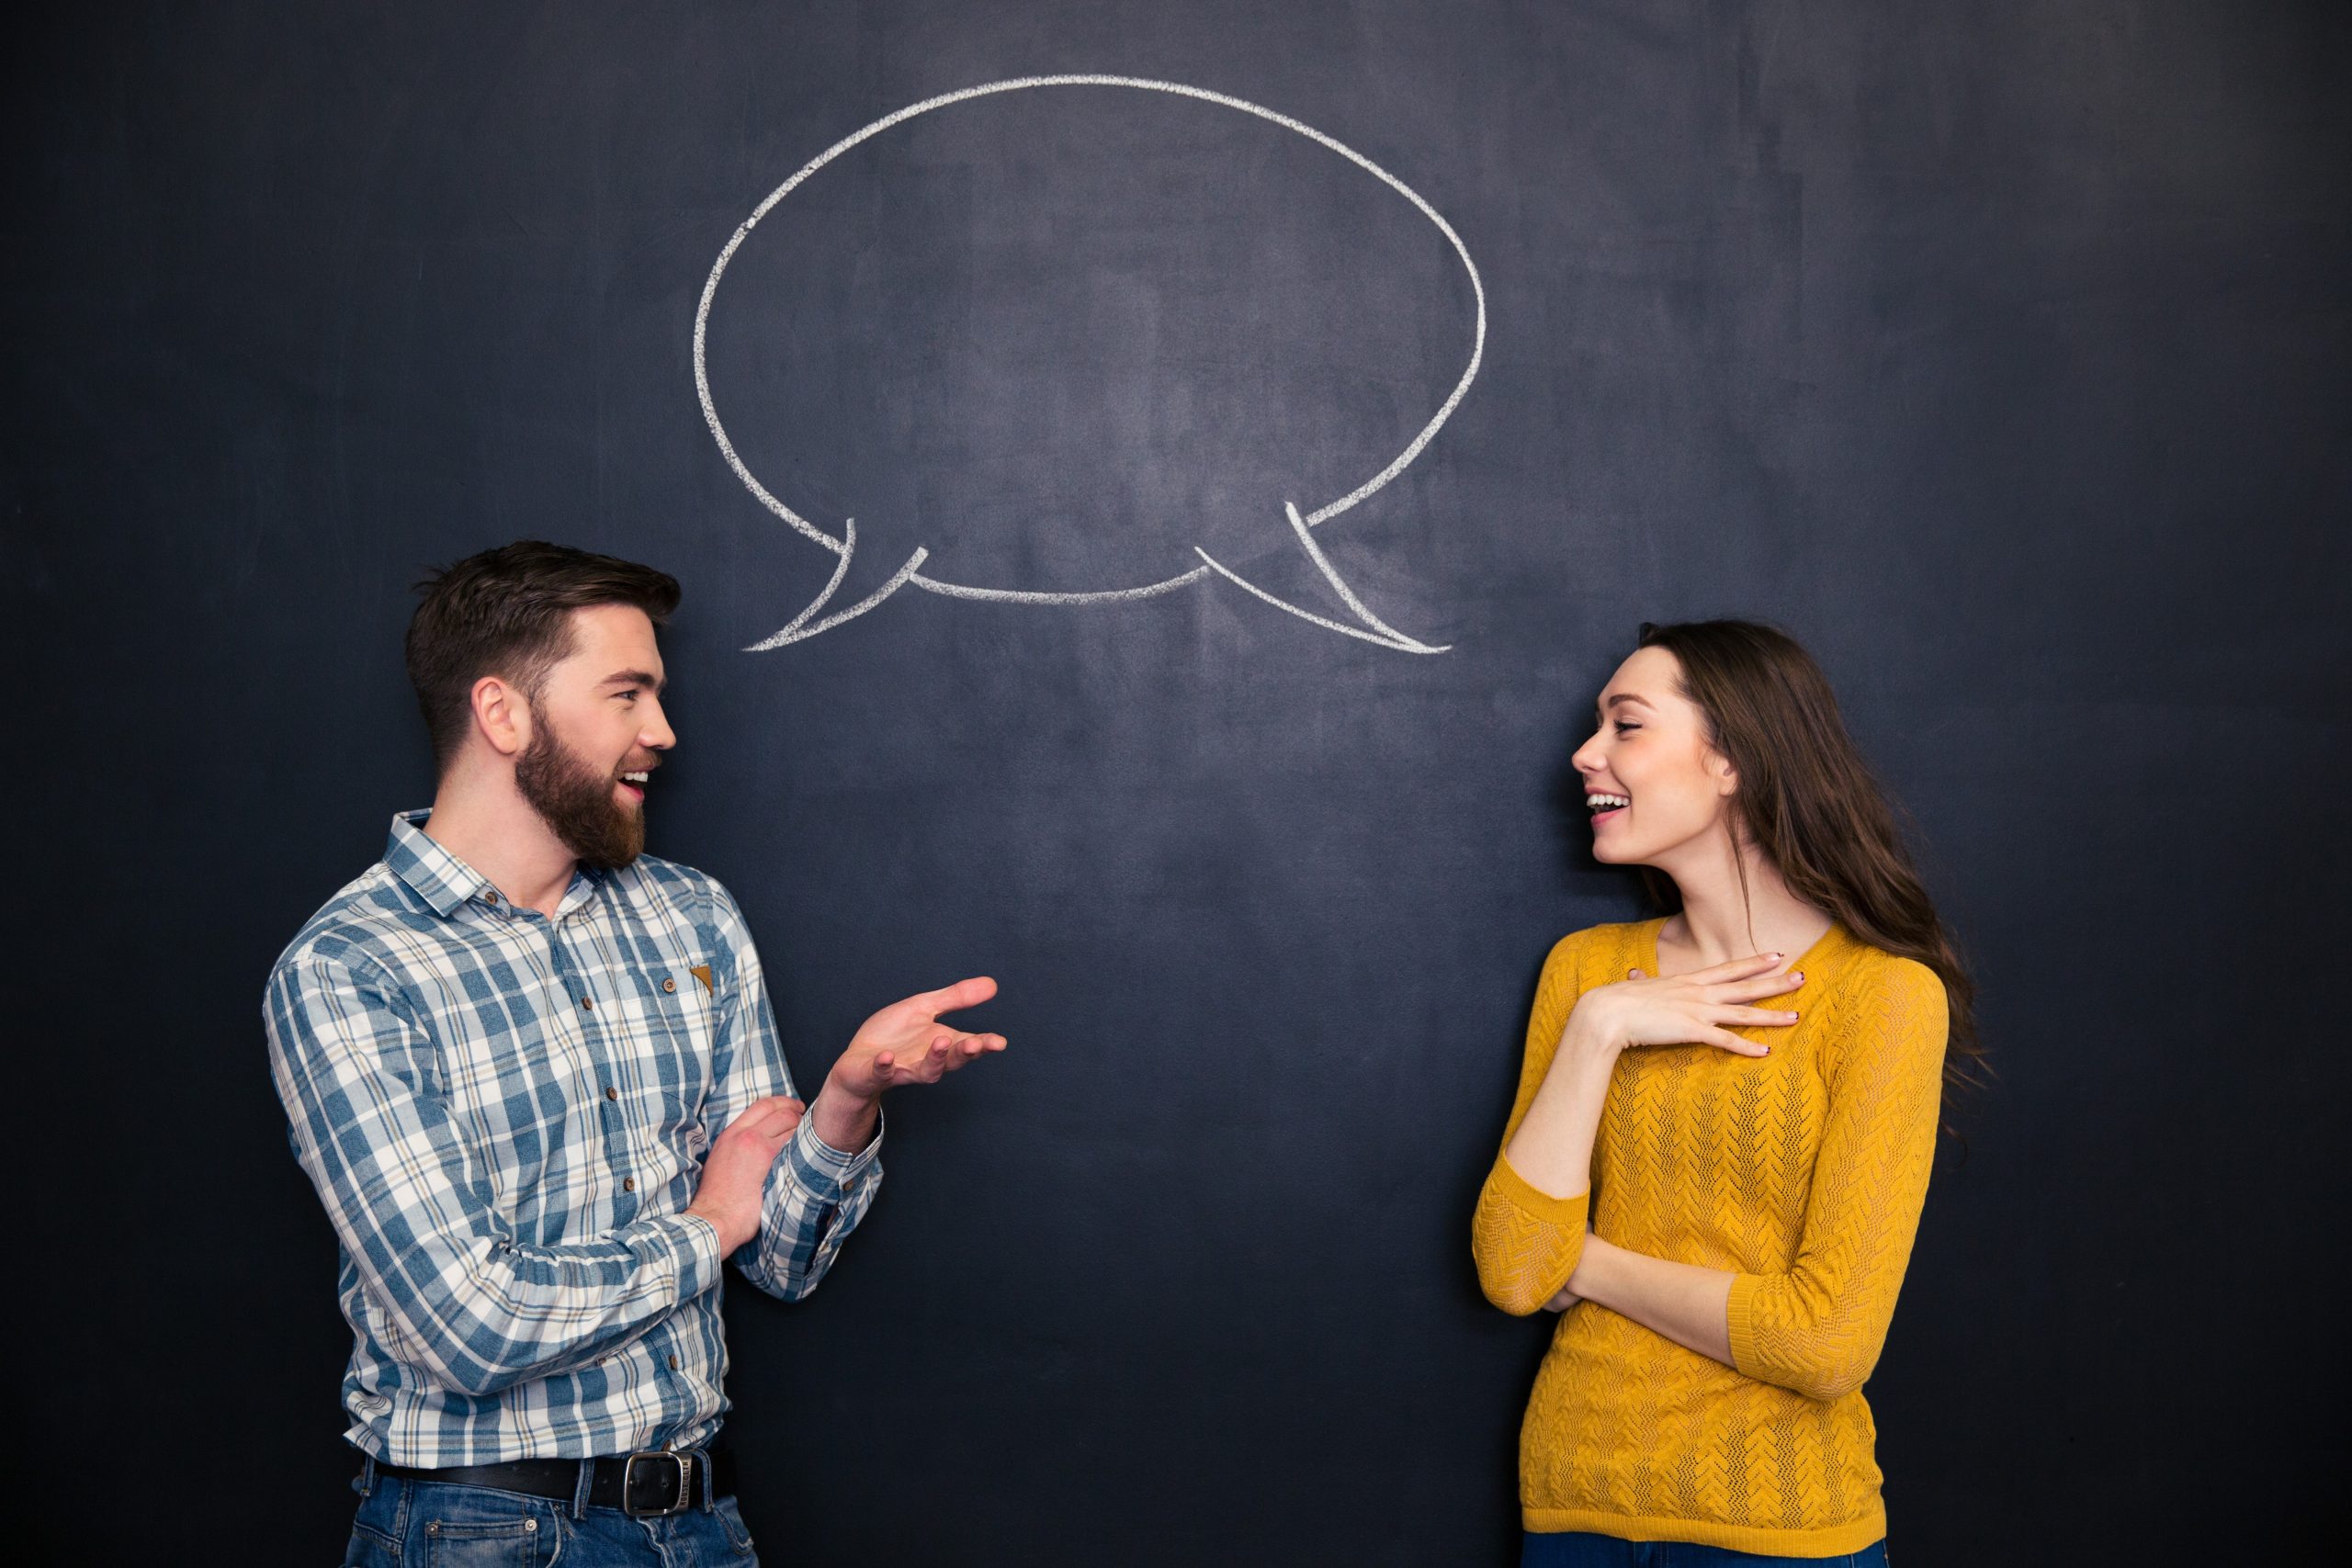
<point>1587,1040</point>
<point>1590,1280</point>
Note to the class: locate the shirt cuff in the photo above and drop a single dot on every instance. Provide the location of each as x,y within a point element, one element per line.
<point>691,1243</point>
<point>825,1172</point>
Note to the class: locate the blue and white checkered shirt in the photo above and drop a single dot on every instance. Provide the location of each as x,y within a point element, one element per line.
<point>506,1117</point>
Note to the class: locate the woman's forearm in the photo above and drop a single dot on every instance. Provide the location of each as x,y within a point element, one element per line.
<point>1552,1150</point>
<point>1686,1303</point>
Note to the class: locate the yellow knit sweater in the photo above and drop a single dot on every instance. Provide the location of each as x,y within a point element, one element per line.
<point>1800,1173</point>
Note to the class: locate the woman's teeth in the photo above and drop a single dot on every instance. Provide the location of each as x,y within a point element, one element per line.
<point>1605,802</point>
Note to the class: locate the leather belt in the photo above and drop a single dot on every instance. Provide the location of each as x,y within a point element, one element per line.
<point>648,1482</point>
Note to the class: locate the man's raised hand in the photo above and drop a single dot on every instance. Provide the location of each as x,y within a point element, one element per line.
<point>905,1042</point>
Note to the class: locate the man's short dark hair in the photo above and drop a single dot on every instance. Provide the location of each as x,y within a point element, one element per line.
<point>507,612</point>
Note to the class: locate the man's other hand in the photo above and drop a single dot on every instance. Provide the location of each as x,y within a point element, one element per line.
<point>737,1171</point>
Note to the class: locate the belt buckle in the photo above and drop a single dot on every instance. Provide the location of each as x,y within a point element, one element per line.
<point>685,1465</point>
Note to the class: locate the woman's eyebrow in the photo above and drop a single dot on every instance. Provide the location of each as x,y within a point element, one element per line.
<point>1609,703</point>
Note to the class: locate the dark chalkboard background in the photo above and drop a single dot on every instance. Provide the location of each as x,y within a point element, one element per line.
<point>2000,352</point>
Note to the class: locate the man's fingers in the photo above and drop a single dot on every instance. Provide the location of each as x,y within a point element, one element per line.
<point>968,993</point>
<point>771,1120</point>
<point>934,1058</point>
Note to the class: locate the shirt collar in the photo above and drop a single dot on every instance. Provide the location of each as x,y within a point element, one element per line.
<point>435,876</point>
<point>446,881</point>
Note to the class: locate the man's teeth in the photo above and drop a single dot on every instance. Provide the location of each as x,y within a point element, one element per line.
<point>633,778</point>
<point>1605,802</point>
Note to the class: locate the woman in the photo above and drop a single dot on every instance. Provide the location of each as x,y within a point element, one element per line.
<point>1741,1100</point>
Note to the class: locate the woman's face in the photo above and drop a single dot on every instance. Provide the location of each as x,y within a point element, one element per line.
<point>1653,783</point>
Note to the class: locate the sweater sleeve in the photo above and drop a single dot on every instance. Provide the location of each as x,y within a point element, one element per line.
<point>1527,1242</point>
<point>1817,1327</point>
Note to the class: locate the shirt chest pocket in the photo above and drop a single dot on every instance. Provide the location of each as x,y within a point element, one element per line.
<point>688,1004</point>
<point>682,1026</point>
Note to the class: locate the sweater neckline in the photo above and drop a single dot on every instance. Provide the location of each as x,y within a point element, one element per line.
<point>1825,947</point>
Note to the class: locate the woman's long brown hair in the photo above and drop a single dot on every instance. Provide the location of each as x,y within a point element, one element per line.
<point>1807,800</point>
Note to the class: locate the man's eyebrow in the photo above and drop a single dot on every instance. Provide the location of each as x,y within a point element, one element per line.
<point>634,678</point>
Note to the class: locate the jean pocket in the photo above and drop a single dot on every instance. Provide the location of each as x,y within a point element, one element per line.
<point>480,1538</point>
<point>371,1549</point>
<point>739,1534</point>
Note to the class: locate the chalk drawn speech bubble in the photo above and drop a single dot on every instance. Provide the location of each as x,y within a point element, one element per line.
<point>808,624</point>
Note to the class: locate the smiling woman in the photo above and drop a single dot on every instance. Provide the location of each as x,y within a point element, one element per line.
<point>1715,1164</point>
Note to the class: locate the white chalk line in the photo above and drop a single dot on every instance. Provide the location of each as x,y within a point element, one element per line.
<point>841,570</point>
<point>1347,594</point>
<point>795,630</point>
<point>1400,645</point>
<point>1320,514</point>
<point>1026,596</point>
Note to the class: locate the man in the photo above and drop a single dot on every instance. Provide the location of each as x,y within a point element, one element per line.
<point>534,1076</point>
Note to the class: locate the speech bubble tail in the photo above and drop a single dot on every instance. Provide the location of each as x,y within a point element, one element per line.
<point>1348,596</point>
<point>1386,636</point>
<point>804,625</point>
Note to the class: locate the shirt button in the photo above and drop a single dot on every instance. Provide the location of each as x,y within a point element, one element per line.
<point>489,895</point>
<point>669,983</point>
<point>611,1093</point>
<point>628,1183</point>
<point>674,1363</point>
<point>588,1002</point>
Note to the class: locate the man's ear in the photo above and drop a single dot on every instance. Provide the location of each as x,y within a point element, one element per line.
<point>502,716</point>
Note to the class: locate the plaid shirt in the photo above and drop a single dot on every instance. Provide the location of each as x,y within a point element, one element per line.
<point>506,1116</point>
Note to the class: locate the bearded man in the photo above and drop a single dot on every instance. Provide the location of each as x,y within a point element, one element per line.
<point>534,1076</point>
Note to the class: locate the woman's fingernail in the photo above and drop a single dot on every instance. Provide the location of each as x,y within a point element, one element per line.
<point>1798,977</point>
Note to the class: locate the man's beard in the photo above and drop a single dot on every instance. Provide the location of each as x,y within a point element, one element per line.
<point>576,801</point>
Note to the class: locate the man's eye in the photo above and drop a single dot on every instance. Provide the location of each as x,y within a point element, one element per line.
<point>629,695</point>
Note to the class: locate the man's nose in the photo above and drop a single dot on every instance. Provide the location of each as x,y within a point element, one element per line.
<point>657,735</point>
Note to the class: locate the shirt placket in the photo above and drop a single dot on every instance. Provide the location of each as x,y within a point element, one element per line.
<point>594,1014</point>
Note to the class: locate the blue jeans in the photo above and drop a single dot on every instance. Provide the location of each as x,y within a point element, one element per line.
<point>431,1524</point>
<point>1576,1550</point>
